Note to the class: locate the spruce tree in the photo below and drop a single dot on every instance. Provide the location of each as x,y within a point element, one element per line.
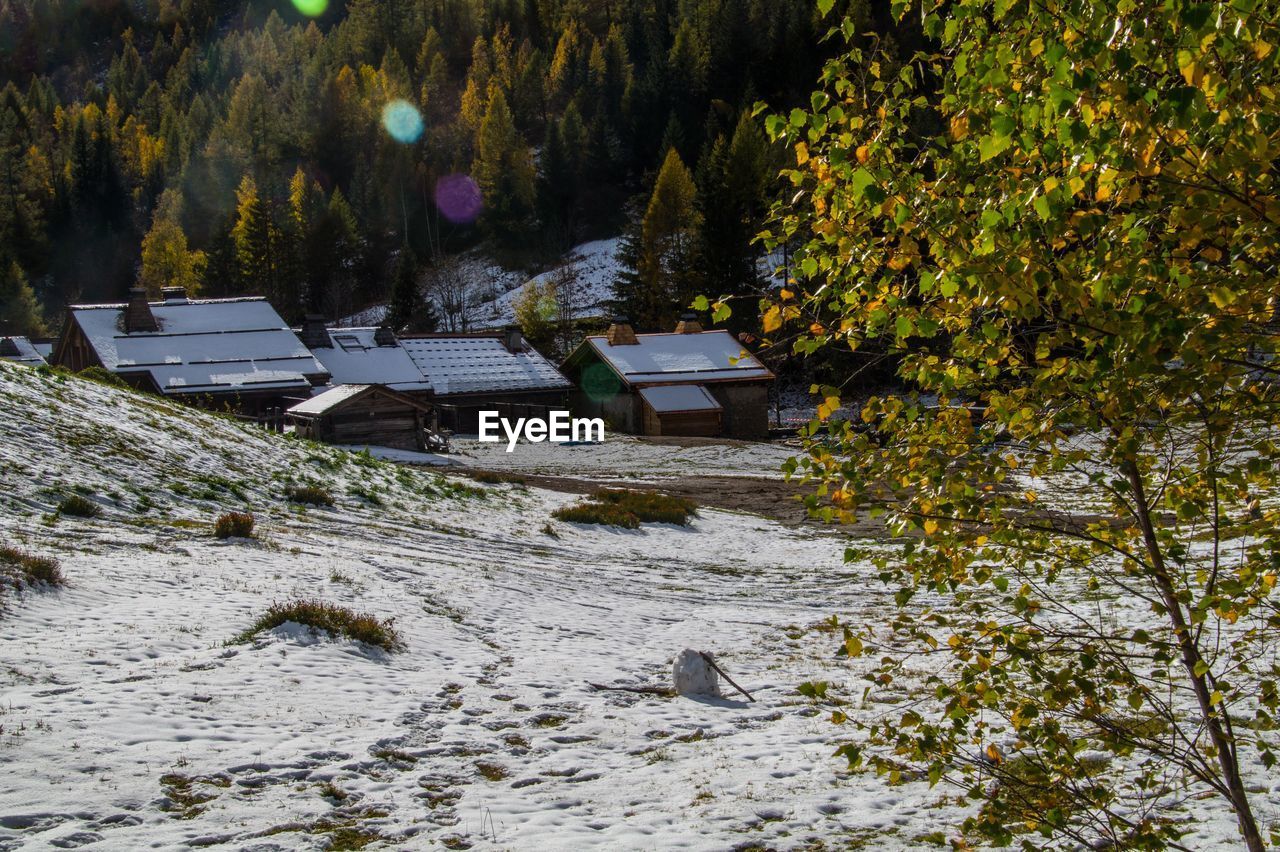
<point>406,298</point>
<point>19,310</point>
<point>504,171</point>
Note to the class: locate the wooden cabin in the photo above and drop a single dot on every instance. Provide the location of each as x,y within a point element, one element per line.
<point>365,356</point>
<point>363,416</point>
<point>21,350</point>
<point>235,353</point>
<point>691,383</point>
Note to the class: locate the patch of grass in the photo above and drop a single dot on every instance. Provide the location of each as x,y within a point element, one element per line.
<point>332,791</point>
<point>104,377</point>
<point>605,514</point>
<point>492,477</point>
<point>234,525</point>
<point>549,530</point>
<point>491,771</point>
<point>649,506</point>
<point>310,495</point>
<point>622,507</point>
<point>79,507</point>
<point>394,755</point>
<point>331,618</point>
<point>185,800</point>
<point>28,569</point>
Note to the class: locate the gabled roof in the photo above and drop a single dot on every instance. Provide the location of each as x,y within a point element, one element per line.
<point>20,350</point>
<point>679,399</point>
<point>336,397</point>
<point>203,346</point>
<point>474,363</point>
<point>356,359</point>
<point>708,356</point>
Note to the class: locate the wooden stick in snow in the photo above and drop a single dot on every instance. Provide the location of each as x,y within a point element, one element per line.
<point>711,662</point>
<point>665,692</point>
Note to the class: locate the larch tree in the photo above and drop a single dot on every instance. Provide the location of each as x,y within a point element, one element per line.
<point>1062,225</point>
<point>504,170</point>
<point>19,311</point>
<point>167,261</point>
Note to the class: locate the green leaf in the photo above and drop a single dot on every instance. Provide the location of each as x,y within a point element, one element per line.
<point>1041,205</point>
<point>825,7</point>
<point>859,181</point>
<point>992,145</point>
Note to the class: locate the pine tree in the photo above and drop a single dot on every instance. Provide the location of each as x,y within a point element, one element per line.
<point>661,252</point>
<point>406,297</point>
<point>504,170</point>
<point>19,310</point>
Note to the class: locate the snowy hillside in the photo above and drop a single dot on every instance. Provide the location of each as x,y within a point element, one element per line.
<point>589,269</point>
<point>126,718</point>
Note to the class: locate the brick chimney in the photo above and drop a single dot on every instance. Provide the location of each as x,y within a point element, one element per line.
<point>137,314</point>
<point>384,336</point>
<point>9,346</point>
<point>621,333</point>
<point>513,339</point>
<point>688,324</point>
<point>313,333</point>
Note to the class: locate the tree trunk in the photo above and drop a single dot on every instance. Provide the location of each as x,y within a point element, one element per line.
<point>1190,654</point>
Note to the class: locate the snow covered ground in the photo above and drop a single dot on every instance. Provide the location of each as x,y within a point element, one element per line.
<point>128,721</point>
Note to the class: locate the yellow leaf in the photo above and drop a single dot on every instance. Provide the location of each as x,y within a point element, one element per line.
<point>863,154</point>
<point>930,527</point>
<point>802,153</point>
<point>772,319</point>
<point>959,127</point>
<point>828,407</point>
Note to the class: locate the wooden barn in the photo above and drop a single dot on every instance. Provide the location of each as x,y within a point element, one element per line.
<point>363,416</point>
<point>235,353</point>
<point>21,350</point>
<point>690,383</point>
<point>365,356</point>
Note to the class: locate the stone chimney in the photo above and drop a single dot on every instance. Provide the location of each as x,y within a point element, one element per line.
<point>313,333</point>
<point>174,295</point>
<point>137,314</point>
<point>688,324</point>
<point>621,333</point>
<point>384,336</point>
<point>9,346</point>
<point>513,339</point>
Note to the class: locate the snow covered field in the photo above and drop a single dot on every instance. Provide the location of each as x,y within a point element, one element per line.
<point>128,721</point>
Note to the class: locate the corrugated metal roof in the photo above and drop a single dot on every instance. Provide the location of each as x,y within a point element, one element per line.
<point>356,358</point>
<point>480,364</point>
<point>203,346</point>
<point>674,399</point>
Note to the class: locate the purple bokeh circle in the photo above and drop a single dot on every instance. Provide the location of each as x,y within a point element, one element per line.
<point>458,198</point>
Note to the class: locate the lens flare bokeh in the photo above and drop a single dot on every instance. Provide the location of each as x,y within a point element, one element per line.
<point>458,198</point>
<point>311,8</point>
<point>402,120</point>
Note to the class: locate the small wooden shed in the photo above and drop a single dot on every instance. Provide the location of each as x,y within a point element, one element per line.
<point>363,415</point>
<point>680,410</point>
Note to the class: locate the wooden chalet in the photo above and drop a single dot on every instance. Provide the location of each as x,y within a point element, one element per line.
<point>689,383</point>
<point>235,353</point>
<point>364,416</point>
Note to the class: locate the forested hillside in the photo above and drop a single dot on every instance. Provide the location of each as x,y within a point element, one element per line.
<point>317,152</point>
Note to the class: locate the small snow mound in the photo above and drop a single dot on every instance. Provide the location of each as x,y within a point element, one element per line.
<point>693,675</point>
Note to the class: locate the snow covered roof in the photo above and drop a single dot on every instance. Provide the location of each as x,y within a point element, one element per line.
<point>20,350</point>
<point>203,346</point>
<point>332,398</point>
<point>357,359</point>
<point>676,399</point>
<point>708,356</point>
<point>465,364</point>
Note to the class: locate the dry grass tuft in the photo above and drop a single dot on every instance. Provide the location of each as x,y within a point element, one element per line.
<point>331,618</point>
